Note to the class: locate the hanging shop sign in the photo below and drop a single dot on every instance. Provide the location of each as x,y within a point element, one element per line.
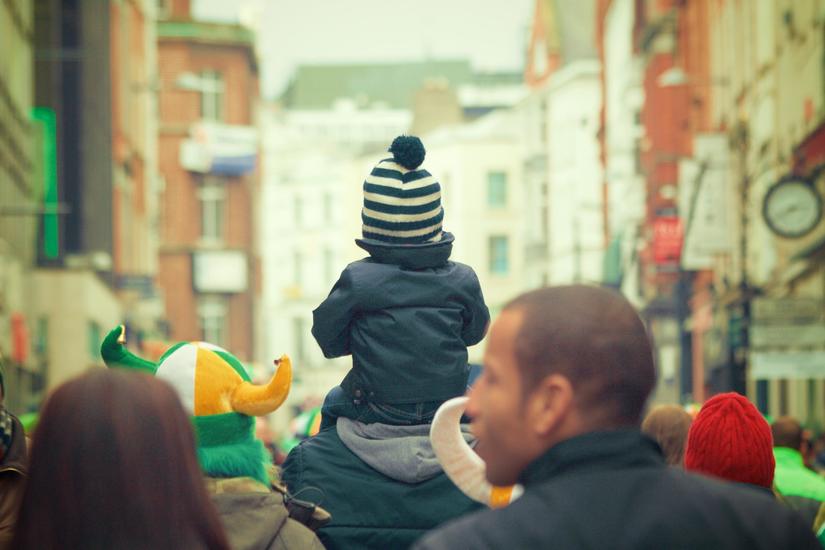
<point>221,149</point>
<point>767,365</point>
<point>787,323</point>
<point>703,202</point>
<point>667,240</point>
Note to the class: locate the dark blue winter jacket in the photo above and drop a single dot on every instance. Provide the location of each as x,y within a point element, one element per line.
<point>406,315</point>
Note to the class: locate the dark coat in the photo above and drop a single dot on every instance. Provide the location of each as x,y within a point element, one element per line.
<point>13,470</point>
<point>407,315</point>
<point>369,510</point>
<point>613,490</point>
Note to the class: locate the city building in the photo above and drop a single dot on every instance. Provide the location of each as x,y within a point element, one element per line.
<point>576,236</point>
<point>766,63</point>
<point>20,202</point>
<point>563,183</point>
<point>651,120</point>
<point>209,271</point>
<point>620,137</point>
<point>135,180</point>
<point>87,217</point>
<point>479,166</point>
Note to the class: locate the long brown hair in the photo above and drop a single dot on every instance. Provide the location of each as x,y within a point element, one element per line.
<point>113,466</point>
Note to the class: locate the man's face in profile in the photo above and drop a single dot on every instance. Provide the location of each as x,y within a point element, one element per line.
<point>496,405</point>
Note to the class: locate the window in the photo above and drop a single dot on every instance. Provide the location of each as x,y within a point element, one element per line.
<point>212,91</point>
<point>212,318</point>
<point>499,255</point>
<point>497,189</point>
<point>212,198</point>
<point>299,335</point>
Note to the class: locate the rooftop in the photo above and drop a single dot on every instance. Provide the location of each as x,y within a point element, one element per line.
<point>389,84</point>
<point>208,33</point>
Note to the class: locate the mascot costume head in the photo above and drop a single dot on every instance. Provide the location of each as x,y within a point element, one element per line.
<point>218,393</point>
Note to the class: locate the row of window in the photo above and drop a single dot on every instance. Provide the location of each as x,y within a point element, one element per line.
<point>298,209</point>
<point>496,198</point>
<point>298,266</point>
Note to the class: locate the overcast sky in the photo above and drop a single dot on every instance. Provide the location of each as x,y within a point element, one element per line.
<point>491,33</point>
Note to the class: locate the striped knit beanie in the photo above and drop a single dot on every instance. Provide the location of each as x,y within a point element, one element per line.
<point>402,202</point>
<point>731,440</point>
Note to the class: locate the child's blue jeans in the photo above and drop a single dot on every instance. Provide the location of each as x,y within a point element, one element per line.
<point>337,403</point>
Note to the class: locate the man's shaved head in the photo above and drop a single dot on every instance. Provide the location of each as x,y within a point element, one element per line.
<point>594,338</point>
<point>787,432</point>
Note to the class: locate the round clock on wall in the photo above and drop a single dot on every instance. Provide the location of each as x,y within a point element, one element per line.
<point>792,207</point>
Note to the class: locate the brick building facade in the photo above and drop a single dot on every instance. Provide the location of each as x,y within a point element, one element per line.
<point>207,157</point>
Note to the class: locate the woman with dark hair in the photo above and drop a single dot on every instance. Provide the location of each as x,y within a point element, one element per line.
<point>113,466</point>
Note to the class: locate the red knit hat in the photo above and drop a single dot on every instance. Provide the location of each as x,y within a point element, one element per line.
<point>731,440</point>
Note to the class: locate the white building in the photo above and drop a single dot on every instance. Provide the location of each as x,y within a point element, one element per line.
<point>563,181</point>
<point>480,169</point>
<point>301,249</point>
<point>626,188</point>
<point>576,237</point>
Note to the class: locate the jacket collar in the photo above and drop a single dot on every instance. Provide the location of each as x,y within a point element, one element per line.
<point>17,457</point>
<point>608,450</point>
<point>410,256</point>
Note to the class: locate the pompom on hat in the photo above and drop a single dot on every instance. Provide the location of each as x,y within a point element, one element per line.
<point>215,388</point>
<point>730,439</point>
<point>402,201</point>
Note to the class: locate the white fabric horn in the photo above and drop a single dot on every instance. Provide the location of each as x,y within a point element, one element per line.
<point>461,464</point>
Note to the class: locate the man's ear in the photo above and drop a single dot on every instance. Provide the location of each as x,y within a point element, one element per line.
<point>550,403</point>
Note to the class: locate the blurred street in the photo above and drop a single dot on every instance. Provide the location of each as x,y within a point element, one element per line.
<point>193,170</point>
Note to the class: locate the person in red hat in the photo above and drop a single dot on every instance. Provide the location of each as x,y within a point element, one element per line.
<point>731,440</point>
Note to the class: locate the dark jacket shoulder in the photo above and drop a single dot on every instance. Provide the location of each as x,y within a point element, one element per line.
<point>613,490</point>
<point>258,518</point>
<point>13,471</point>
<point>369,509</point>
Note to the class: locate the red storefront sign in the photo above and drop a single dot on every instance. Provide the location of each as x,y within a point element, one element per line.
<point>667,240</point>
<point>19,338</point>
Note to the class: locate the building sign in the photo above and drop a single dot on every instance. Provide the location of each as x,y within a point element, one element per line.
<point>223,271</point>
<point>667,240</point>
<point>765,365</point>
<point>222,149</point>
<point>787,337</point>
<point>787,323</point>
<point>703,202</point>
<point>787,310</point>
